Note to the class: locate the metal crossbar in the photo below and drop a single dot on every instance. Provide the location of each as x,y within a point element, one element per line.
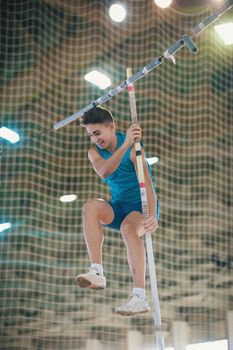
<point>185,40</point>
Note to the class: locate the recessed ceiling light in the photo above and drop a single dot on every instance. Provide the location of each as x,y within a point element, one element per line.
<point>152,160</point>
<point>68,198</point>
<point>5,226</point>
<point>225,31</point>
<point>9,135</point>
<point>163,3</point>
<point>99,79</point>
<point>117,13</point>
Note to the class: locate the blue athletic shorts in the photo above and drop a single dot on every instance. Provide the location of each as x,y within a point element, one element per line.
<point>122,209</point>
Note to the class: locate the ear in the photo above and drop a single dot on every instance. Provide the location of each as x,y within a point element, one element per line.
<point>113,126</point>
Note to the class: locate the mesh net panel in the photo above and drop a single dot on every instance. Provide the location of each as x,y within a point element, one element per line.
<point>185,111</point>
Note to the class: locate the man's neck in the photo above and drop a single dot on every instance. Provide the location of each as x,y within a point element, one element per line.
<point>113,146</point>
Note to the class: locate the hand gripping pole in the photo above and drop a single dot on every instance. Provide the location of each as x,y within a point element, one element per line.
<point>145,211</point>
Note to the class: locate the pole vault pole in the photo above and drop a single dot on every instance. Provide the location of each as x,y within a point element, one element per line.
<point>145,212</point>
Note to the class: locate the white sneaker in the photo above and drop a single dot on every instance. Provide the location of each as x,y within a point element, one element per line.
<point>91,279</point>
<point>133,306</point>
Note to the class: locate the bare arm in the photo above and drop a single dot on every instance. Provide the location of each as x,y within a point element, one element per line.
<point>105,167</point>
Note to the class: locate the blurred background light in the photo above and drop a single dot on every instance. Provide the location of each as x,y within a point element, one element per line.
<point>225,31</point>
<point>117,13</point>
<point>9,135</point>
<point>152,160</point>
<point>99,79</point>
<point>68,198</point>
<point>5,226</point>
<point>163,3</point>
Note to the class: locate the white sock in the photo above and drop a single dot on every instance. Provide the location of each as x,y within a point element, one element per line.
<point>98,268</point>
<point>140,292</point>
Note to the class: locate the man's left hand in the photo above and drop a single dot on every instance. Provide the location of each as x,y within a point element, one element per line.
<point>149,225</point>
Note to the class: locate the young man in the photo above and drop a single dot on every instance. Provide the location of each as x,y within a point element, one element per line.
<point>114,160</point>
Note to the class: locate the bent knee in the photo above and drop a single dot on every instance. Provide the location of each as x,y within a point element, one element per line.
<point>91,205</point>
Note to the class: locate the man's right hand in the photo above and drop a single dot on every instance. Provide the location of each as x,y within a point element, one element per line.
<point>134,132</point>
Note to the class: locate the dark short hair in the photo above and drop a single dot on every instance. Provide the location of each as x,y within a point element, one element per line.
<point>97,115</point>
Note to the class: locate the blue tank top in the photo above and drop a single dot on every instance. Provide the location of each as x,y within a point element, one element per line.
<point>123,182</point>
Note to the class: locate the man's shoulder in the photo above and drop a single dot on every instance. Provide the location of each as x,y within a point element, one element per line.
<point>92,152</point>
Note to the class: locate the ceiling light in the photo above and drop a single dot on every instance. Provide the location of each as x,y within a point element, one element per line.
<point>68,198</point>
<point>117,12</point>
<point>152,160</point>
<point>99,79</point>
<point>5,226</point>
<point>9,135</point>
<point>163,3</point>
<point>225,31</point>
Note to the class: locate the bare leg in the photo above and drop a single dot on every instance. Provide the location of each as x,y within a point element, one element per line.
<point>95,213</point>
<point>130,229</point>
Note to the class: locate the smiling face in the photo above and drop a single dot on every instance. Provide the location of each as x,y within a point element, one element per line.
<point>103,135</point>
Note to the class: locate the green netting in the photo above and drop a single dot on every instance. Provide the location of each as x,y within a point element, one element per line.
<point>185,111</point>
